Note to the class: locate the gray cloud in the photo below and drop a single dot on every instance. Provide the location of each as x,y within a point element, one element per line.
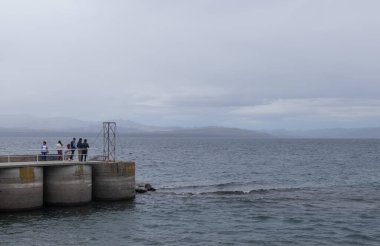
<point>193,62</point>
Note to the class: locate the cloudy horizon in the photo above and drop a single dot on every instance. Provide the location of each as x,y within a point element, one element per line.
<point>277,64</point>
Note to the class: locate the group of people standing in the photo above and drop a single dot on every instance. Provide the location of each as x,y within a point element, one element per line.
<point>81,146</point>
<point>67,153</point>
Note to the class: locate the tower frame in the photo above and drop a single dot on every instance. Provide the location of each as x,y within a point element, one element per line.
<point>109,141</point>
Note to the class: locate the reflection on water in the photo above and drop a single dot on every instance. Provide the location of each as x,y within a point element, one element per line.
<point>67,213</point>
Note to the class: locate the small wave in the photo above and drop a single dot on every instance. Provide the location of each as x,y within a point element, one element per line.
<point>359,237</point>
<point>263,191</point>
<point>234,192</point>
<point>233,184</point>
<point>208,186</point>
<point>225,189</point>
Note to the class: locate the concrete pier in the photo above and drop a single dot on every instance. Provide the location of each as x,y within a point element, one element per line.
<point>68,185</point>
<point>21,188</point>
<point>31,184</point>
<point>114,181</point>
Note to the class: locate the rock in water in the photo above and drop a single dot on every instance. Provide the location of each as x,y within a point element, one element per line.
<point>149,187</point>
<point>140,189</point>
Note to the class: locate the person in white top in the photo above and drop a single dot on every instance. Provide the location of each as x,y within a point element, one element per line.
<point>68,152</point>
<point>44,151</point>
<point>59,149</point>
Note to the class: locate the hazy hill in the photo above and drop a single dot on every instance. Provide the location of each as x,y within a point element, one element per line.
<point>213,131</point>
<point>333,133</point>
<point>35,126</point>
<point>26,125</point>
<point>38,123</point>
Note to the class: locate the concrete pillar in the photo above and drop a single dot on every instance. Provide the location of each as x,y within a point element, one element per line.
<point>68,185</point>
<point>21,188</point>
<point>113,181</point>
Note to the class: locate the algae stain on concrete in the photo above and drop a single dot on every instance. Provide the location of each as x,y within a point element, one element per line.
<point>80,171</point>
<point>27,174</point>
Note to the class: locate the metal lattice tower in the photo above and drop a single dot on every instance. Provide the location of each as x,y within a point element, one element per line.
<point>109,141</point>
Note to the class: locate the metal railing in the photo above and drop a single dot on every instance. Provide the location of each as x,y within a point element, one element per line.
<point>66,156</point>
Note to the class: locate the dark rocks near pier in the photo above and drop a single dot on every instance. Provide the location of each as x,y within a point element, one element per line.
<point>142,188</point>
<point>149,187</point>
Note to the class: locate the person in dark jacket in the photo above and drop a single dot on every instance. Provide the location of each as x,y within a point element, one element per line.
<point>80,147</point>
<point>72,147</point>
<point>85,147</point>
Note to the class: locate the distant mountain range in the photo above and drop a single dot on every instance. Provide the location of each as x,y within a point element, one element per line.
<point>373,133</point>
<point>24,125</point>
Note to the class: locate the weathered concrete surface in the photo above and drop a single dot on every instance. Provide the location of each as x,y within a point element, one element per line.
<point>113,181</point>
<point>21,188</point>
<point>68,185</point>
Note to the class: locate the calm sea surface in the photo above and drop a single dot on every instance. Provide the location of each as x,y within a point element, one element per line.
<point>217,191</point>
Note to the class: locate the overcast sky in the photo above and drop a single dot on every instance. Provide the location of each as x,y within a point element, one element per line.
<point>266,64</point>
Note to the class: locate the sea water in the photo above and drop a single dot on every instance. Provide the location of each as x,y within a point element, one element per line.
<point>221,191</point>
